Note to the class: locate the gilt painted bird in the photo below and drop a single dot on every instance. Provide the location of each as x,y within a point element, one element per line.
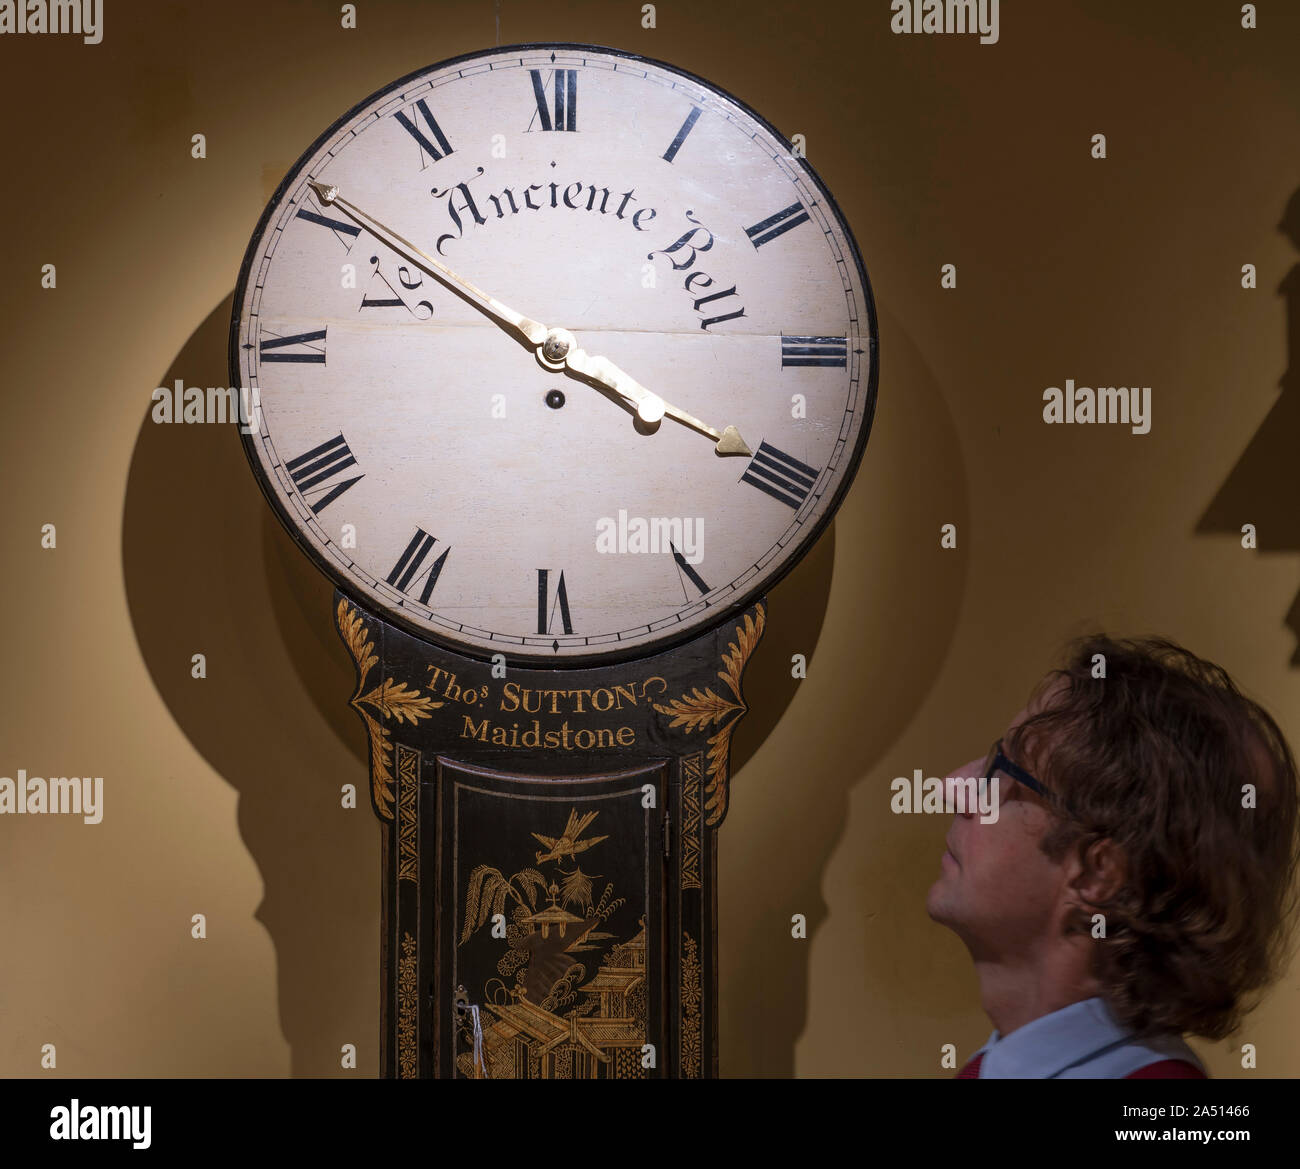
<point>569,844</point>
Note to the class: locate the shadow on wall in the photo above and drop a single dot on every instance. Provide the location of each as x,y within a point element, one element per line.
<point>209,569</point>
<point>1255,490</point>
<point>899,597</point>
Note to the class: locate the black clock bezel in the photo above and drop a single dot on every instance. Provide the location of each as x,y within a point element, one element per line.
<point>613,654</point>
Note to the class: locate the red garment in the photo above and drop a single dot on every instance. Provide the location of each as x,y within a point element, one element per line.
<point>1164,1069</point>
<point>1168,1069</point>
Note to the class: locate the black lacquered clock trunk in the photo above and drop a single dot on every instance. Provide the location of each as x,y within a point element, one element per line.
<point>549,854</point>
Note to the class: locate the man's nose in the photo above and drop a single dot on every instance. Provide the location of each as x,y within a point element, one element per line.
<point>967,769</point>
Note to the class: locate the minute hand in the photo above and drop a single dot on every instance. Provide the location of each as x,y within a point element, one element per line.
<point>530,330</point>
<point>650,406</point>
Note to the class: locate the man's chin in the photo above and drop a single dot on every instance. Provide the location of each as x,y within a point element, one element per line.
<point>937,903</point>
<point>944,903</point>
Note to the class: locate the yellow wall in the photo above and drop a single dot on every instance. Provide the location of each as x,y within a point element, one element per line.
<point>221,796</point>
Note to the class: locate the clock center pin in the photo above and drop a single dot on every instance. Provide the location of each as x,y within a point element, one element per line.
<point>555,348</point>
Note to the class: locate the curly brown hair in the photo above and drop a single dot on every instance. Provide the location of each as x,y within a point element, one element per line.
<point>1157,756</point>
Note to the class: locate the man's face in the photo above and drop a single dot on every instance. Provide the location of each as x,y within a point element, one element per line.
<point>996,889</point>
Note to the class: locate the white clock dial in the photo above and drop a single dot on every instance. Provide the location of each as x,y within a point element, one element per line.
<point>426,455</point>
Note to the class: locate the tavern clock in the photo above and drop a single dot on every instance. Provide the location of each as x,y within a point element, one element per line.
<point>563,358</point>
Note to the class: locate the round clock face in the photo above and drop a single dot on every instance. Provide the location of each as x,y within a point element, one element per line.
<point>670,427</point>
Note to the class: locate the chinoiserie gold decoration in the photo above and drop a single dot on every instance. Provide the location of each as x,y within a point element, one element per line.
<point>390,699</point>
<point>407,1009</point>
<point>408,810</point>
<point>704,708</point>
<point>570,843</point>
<point>692,997</point>
<point>692,779</point>
<point>576,1007</point>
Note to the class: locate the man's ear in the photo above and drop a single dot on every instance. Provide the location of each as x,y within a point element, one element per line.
<point>1099,871</point>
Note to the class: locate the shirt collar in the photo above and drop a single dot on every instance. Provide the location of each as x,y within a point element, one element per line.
<point>1051,1043</point>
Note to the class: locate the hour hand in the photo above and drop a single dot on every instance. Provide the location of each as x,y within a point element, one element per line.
<point>650,407</point>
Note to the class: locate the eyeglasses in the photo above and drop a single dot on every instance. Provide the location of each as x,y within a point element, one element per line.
<point>997,761</point>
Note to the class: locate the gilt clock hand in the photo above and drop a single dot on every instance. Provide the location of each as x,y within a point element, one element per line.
<point>650,407</point>
<point>531,331</point>
<point>556,348</point>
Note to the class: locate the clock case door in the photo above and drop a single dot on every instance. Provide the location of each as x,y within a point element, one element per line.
<point>609,919</point>
<point>570,982</point>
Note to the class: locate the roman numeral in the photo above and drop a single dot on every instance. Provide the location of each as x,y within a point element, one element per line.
<point>778,224</point>
<point>780,475</point>
<point>307,353</point>
<point>436,147</point>
<point>335,225</point>
<point>407,570</point>
<point>310,471</point>
<point>566,100</point>
<point>688,570</point>
<point>814,351</point>
<point>687,127</point>
<point>546,619</point>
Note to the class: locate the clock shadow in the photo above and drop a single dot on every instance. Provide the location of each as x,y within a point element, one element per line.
<point>811,811</point>
<point>210,570</point>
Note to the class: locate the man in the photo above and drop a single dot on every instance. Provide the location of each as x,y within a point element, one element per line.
<point>1138,881</point>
